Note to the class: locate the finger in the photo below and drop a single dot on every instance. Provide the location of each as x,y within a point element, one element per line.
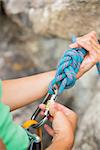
<point>94,38</point>
<point>92,34</point>
<point>68,112</point>
<point>42,106</point>
<point>74,45</point>
<point>52,109</point>
<point>85,43</point>
<point>62,123</point>
<point>64,109</point>
<point>88,41</point>
<point>88,37</point>
<point>49,130</point>
<point>42,113</point>
<point>95,45</point>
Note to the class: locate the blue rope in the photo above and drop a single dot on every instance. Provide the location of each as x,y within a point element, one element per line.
<point>98,67</point>
<point>67,69</point>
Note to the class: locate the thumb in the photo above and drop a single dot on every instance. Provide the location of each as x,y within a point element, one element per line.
<point>52,108</point>
<point>60,122</point>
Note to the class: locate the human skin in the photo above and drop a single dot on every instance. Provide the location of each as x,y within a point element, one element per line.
<point>20,92</point>
<point>63,126</point>
<point>2,146</point>
<point>23,91</point>
<point>91,44</point>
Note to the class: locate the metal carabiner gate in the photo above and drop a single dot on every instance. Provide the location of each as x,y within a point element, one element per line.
<point>33,124</point>
<point>49,98</point>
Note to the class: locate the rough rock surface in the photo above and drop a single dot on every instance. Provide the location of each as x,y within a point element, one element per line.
<point>55,17</point>
<point>33,37</point>
<point>88,136</point>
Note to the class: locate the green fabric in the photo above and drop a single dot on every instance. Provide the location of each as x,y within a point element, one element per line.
<point>13,135</point>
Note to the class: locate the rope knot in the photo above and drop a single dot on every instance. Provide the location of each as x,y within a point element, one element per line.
<point>67,69</point>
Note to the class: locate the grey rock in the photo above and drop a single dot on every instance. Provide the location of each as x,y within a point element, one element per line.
<point>88,135</point>
<point>60,18</point>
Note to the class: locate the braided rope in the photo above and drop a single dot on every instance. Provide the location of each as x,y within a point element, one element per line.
<point>98,67</point>
<point>67,69</point>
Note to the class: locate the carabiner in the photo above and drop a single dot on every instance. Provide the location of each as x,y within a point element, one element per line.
<point>46,101</point>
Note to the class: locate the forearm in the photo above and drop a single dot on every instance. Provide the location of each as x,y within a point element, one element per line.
<point>2,146</point>
<point>23,91</point>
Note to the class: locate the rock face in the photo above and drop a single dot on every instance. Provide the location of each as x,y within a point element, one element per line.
<point>33,36</point>
<point>59,18</point>
<point>88,136</point>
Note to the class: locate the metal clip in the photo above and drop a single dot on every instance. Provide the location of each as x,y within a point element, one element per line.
<point>46,101</point>
<point>35,135</point>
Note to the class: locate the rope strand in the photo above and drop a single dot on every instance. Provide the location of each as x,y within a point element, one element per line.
<point>67,69</point>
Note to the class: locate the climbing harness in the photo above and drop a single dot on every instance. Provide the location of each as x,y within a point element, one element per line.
<point>65,78</point>
<point>35,136</point>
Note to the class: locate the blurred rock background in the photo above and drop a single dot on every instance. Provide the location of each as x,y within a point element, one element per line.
<point>33,36</point>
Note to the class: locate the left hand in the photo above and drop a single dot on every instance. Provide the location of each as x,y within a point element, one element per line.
<point>63,126</point>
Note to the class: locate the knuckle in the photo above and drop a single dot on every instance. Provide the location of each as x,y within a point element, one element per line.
<point>93,32</point>
<point>83,40</point>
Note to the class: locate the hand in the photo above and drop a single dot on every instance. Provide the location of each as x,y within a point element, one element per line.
<point>90,43</point>
<point>63,126</point>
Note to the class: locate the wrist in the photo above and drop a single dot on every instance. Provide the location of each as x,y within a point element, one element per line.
<point>59,145</point>
<point>51,75</point>
<point>66,142</point>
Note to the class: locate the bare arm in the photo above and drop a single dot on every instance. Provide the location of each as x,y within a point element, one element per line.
<point>60,145</point>
<point>23,91</point>
<point>2,146</point>
<point>20,92</point>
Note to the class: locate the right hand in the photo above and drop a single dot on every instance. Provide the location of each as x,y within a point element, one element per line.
<point>90,43</point>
